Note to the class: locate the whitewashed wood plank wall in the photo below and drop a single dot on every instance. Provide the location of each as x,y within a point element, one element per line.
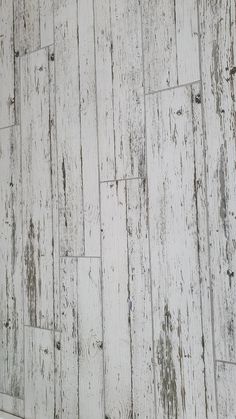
<point>118,209</point>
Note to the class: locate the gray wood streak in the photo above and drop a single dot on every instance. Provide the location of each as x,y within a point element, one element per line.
<point>11,295</point>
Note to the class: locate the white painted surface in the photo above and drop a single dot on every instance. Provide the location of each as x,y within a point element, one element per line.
<point>117,199</point>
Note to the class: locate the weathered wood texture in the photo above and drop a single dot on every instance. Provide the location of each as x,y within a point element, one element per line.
<point>11,295</point>
<point>170,31</point>
<point>34,25</point>
<point>226,378</point>
<point>117,209</point>
<point>7,68</point>
<point>218,51</point>
<point>39,373</point>
<point>182,335</point>
<point>12,405</point>
<point>119,89</point>
<point>81,339</point>
<point>38,243</point>
<point>129,390</point>
<point>76,129</point>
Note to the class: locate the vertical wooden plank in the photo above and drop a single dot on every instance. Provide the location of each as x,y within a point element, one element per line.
<point>46,22</point>
<point>89,148</point>
<point>208,354</point>
<point>178,331</point>
<point>170,36</point>
<point>71,204</point>
<point>103,38</point>
<point>226,377</point>
<point>34,26</point>
<point>54,188</point>
<point>140,300</point>
<point>37,190</point>
<point>218,51</point>
<point>7,97</point>
<point>69,339</point>
<point>117,351</point>
<point>39,373</point>
<point>57,376</point>
<point>28,38</point>
<point>118,35</point>
<point>91,403</point>
<point>11,292</point>
<point>12,405</point>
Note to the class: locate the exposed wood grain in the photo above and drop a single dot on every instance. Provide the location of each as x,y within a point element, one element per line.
<point>76,131</point>
<point>118,396</point>
<point>7,79</point>
<point>12,405</point>
<point>34,25</point>
<point>170,37</point>
<point>226,378</point>
<point>11,295</point>
<point>39,373</point>
<point>119,89</point>
<point>69,339</point>
<point>182,379</point>
<point>218,51</point>
<point>129,388</point>
<point>89,147</point>
<point>140,300</point>
<point>37,190</point>
<point>91,403</point>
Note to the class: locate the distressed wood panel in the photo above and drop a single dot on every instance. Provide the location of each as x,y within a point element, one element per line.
<point>126,294</point>
<point>119,89</point>
<point>218,50</point>
<point>117,351</point>
<point>11,295</point>
<point>88,117</point>
<point>69,339</point>
<point>39,373</point>
<point>12,405</point>
<point>170,38</point>
<point>34,25</point>
<point>184,386</point>
<point>226,378</point>
<point>91,403</point>
<point>76,131</point>
<point>140,313</point>
<point>7,73</point>
<point>37,189</point>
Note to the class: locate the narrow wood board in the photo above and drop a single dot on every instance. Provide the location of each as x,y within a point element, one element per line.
<point>11,290</point>
<point>170,35</point>
<point>182,331</point>
<point>119,89</point>
<point>218,51</point>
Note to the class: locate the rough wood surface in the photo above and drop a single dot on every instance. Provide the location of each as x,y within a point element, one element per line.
<point>226,377</point>
<point>76,130</point>
<point>170,31</point>
<point>117,209</point>
<point>91,400</point>
<point>7,71</point>
<point>182,381</point>
<point>120,89</point>
<point>218,51</point>
<point>11,295</point>
<point>39,373</point>
<point>37,189</point>
<point>12,405</point>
